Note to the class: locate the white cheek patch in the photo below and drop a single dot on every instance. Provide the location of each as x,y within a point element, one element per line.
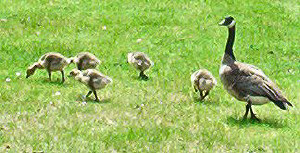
<point>231,24</point>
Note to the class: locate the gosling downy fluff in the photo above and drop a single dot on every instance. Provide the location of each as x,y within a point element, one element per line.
<point>203,81</point>
<point>141,62</point>
<point>93,79</point>
<point>51,62</point>
<point>85,60</point>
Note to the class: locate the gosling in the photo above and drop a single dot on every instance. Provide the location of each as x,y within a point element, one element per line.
<point>51,62</point>
<point>141,62</point>
<point>85,60</point>
<point>203,81</point>
<point>93,79</point>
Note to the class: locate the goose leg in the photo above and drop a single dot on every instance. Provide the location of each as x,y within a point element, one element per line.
<point>95,93</point>
<point>88,94</point>
<point>253,115</point>
<point>248,106</point>
<point>62,76</point>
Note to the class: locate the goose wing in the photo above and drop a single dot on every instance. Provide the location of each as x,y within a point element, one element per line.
<point>251,81</point>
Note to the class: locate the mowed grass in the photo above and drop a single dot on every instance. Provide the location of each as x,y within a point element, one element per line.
<point>163,113</point>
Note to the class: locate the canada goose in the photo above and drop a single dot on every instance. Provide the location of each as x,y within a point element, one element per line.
<point>92,79</point>
<point>203,81</point>
<point>85,60</point>
<point>246,82</point>
<point>51,62</point>
<point>141,62</point>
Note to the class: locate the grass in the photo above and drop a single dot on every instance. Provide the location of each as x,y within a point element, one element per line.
<point>180,37</point>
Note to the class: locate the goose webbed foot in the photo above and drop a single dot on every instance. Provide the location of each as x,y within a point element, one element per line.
<point>253,116</point>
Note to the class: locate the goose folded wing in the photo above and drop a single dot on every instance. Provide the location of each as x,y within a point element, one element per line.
<point>249,83</point>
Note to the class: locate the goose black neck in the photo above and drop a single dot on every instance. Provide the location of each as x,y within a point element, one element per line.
<point>230,41</point>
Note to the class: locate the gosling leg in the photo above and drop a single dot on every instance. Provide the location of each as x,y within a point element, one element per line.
<point>49,73</point>
<point>95,93</point>
<point>88,94</point>
<point>201,95</point>
<point>62,76</point>
<point>206,93</point>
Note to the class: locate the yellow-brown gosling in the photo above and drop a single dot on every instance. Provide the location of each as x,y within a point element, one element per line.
<point>141,62</point>
<point>93,79</point>
<point>203,81</point>
<point>85,60</point>
<point>51,62</point>
<point>246,82</point>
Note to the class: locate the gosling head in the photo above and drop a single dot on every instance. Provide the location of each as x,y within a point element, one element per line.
<point>74,73</point>
<point>31,69</point>
<point>130,57</point>
<point>71,60</point>
<point>228,21</point>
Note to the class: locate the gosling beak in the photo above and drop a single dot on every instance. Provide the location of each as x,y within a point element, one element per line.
<point>222,23</point>
<point>27,76</point>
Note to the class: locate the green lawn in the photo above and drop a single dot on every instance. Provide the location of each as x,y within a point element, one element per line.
<point>180,36</point>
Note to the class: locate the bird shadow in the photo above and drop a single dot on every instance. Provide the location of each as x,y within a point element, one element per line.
<point>140,78</point>
<point>52,82</point>
<point>271,123</point>
<point>205,101</point>
<point>92,100</point>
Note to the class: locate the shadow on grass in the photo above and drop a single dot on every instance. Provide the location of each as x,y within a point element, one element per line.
<point>91,99</point>
<point>205,101</point>
<point>272,123</point>
<point>52,82</point>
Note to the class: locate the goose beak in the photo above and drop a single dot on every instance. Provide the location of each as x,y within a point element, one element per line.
<point>222,23</point>
<point>27,76</point>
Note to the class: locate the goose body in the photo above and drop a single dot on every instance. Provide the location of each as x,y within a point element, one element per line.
<point>203,81</point>
<point>246,82</point>
<point>51,62</point>
<point>85,60</point>
<point>93,79</point>
<point>140,61</point>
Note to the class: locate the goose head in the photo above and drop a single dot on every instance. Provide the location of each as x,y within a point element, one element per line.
<point>227,21</point>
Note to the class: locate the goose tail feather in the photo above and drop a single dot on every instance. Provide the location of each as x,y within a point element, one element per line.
<point>283,104</point>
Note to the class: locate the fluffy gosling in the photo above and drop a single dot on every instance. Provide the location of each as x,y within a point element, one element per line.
<point>85,60</point>
<point>141,62</point>
<point>93,79</point>
<point>51,62</point>
<point>203,81</point>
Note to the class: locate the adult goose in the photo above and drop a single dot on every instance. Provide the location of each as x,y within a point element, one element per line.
<point>141,62</point>
<point>203,81</point>
<point>51,62</point>
<point>93,79</point>
<point>246,82</point>
<point>85,60</point>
